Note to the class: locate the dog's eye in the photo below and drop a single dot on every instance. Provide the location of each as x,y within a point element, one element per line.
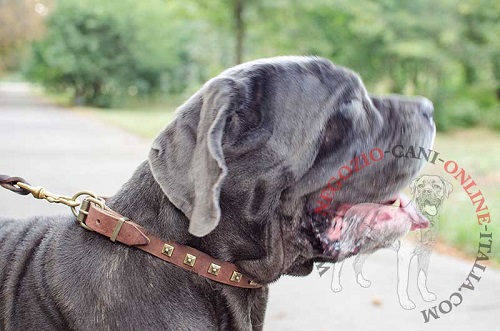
<point>420,186</point>
<point>436,187</point>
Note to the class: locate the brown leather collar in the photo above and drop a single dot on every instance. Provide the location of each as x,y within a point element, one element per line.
<point>120,229</point>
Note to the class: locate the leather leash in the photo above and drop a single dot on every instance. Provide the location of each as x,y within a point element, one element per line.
<point>95,216</point>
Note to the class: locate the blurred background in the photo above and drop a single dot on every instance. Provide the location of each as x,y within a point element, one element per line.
<point>131,63</point>
<point>132,53</point>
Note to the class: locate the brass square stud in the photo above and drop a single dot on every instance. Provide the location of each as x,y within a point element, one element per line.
<point>189,260</point>
<point>167,250</point>
<point>214,269</point>
<point>236,277</point>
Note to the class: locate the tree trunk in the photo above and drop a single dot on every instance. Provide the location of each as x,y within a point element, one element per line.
<point>240,29</point>
<point>496,73</point>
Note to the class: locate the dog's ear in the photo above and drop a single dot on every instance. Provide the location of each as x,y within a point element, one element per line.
<point>187,159</point>
<point>448,188</point>
<point>413,185</point>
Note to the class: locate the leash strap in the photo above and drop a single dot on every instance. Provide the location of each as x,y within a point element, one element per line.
<point>10,183</point>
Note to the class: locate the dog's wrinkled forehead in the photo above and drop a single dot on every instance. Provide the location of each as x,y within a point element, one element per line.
<point>307,103</point>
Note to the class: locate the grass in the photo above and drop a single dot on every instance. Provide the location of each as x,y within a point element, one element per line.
<point>144,118</point>
<point>146,124</point>
<point>476,150</point>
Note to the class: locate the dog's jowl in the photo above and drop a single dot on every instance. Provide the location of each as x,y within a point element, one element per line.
<point>236,175</point>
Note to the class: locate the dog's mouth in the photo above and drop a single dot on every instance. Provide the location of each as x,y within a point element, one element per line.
<point>360,228</point>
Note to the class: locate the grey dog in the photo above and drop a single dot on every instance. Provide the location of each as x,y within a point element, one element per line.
<point>235,175</point>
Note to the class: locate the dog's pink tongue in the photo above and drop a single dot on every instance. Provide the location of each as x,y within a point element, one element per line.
<point>418,221</point>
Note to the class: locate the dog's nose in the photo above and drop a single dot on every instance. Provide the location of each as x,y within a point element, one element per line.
<point>427,191</point>
<point>426,108</point>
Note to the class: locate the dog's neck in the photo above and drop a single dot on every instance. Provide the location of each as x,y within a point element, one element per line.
<point>142,200</point>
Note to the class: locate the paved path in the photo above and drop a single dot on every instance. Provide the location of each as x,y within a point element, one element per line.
<point>67,152</point>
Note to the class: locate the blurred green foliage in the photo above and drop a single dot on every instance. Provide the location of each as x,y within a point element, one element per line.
<point>104,50</point>
<point>447,50</point>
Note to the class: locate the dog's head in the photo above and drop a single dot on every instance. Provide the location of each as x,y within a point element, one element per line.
<point>247,156</point>
<point>429,193</point>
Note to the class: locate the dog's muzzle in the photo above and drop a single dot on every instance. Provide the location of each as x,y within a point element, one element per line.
<point>363,228</point>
